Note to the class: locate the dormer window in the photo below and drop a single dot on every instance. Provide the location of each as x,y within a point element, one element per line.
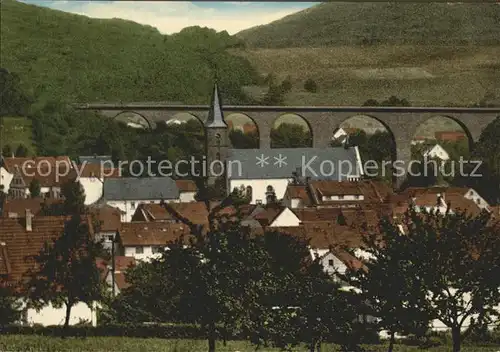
<point>356,196</point>
<point>341,196</point>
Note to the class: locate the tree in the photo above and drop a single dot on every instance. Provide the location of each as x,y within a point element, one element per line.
<point>14,101</point>
<point>289,135</point>
<point>21,151</point>
<point>386,286</point>
<point>454,257</point>
<point>74,198</point>
<point>311,86</point>
<point>35,188</point>
<point>487,152</point>
<point>9,306</point>
<point>7,151</point>
<point>66,270</point>
<point>242,140</point>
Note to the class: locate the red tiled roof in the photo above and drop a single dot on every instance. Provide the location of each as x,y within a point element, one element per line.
<point>450,135</point>
<point>21,244</point>
<point>15,208</point>
<point>41,162</point>
<point>196,212</point>
<point>151,233</point>
<point>428,197</point>
<point>372,191</point>
<point>186,185</point>
<point>108,217</point>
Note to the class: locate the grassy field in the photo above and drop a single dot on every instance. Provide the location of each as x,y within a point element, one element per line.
<point>425,75</point>
<point>31,343</point>
<point>18,130</point>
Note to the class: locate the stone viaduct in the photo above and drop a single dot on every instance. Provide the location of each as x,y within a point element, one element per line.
<point>401,122</point>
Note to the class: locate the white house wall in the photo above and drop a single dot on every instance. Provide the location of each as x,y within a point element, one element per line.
<point>5,179</point>
<point>476,198</point>
<point>286,218</point>
<point>93,188</point>
<point>56,316</point>
<point>259,187</point>
<point>146,255</point>
<point>438,152</point>
<point>187,197</point>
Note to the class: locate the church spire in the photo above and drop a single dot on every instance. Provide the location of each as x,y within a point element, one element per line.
<point>215,116</point>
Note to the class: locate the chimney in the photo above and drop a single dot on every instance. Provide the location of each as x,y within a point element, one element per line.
<point>29,218</point>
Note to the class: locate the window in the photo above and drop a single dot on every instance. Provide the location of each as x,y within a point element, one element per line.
<point>132,204</point>
<point>270,188</point>
<point>218,139</point>
<point>217,156</point>
<point>356,196</point>
<point>139,250</point>
<point>478,201</point>
<point>341,196</point>
<point>330,262</point>
<point>155,249</point>
<point>110,238</point>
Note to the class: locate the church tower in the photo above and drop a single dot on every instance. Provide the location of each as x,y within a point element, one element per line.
<point>216,137</point>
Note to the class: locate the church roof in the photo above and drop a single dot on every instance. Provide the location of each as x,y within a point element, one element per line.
<point>215,116</point>
<point>307,160</point>
<point>140,188</point>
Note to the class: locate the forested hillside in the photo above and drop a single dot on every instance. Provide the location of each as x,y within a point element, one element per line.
<point>61,56</point>
<point>369,23</point>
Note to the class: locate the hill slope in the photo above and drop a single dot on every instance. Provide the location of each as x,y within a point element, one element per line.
<point>381,23</point>
<point>79,59</point>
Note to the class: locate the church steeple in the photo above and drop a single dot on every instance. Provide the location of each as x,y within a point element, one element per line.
<point>216,136</point>
<point>215,115</point>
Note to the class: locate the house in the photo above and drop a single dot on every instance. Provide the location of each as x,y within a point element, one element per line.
<point>341,135</point>
<point>265,172</point>
<point>419,140</point>
<point>297,196</point>
<point>145,240</point>
<point>21,238</point>
<point>460,197</point>
<point>91,176</point>
<point>271,215</point>
<point>437,152</point>
<point>108,224</point>
<point>116,282</point>
<point>450,136</point>
<point>196,212</point>
<point>126,193</point>
<point>50,172</point>
<point>5,180</point>
<point>330,193</point>
<point>16,208</point>
<point>187,190</point>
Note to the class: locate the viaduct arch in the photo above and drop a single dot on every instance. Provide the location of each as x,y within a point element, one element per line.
<point>401,122</point>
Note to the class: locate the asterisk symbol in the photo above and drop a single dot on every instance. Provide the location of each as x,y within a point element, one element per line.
<point>280,160</point>
<point>262,160</point>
